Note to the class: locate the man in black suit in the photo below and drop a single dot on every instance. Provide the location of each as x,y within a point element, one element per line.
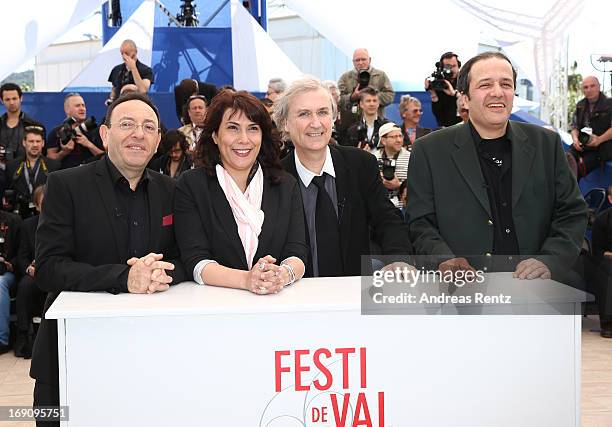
<point>343,196</point>
<point>602,255</point>
<point>105,226</point>
<point>492,186</point>
<point>26,173</point>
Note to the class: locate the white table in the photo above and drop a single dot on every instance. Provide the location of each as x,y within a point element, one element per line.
<point>205,356</point>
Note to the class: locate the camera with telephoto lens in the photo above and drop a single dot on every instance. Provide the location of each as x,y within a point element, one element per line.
<point>443,73</point>
<point>387,167</point>
<point>584,135</point>
<point>363,77</point>
<point>67,132</point>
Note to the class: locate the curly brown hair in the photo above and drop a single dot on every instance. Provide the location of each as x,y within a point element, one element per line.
<point>207,152</point>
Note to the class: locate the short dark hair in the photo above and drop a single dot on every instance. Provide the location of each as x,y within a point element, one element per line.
<point>132,96</point>
<point>10,86</point>
<point>190,99</point>
<point>173,137</point>
<point>368,90</point>
<point>207,152</point>
<point>36,130</point>
<point>450,55</point>
<point>463,81</point>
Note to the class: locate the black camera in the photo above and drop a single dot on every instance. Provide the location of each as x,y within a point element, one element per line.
<point>361,136</point>
<point>19,204</point>
<point>387,167</point>
<point>443,72</point>
<point>67,132</point>
<point>363,77</point>
<point>584,135</point>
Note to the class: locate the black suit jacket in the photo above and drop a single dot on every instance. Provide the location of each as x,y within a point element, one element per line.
<point>206,229</point>
<point>16,179</point>
<point>79,246</point>
<point>366,209</point>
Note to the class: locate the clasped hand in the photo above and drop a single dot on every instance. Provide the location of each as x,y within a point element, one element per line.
<point>265,277</point>
<point>148,274</point>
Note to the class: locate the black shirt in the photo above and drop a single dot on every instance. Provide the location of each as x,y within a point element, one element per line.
<point>495,158</point>
<point>121,76</point>
<point>133,210</point>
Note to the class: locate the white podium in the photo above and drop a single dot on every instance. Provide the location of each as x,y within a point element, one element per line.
<point>205,356</point>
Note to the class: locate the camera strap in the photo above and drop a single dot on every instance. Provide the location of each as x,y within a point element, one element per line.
<point>26,173</point>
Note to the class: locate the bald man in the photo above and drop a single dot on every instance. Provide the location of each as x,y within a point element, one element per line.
<point>349,83</point>
<point>131,71</point>
<point>593,116</point>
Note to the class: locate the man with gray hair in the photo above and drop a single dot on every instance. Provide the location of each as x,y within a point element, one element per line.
<point>131,71</point>
<point>276,87</point>
<point>345,202</point>
<point>363,75</point>
<point>592,128</point>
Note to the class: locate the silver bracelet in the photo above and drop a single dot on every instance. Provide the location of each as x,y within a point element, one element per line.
<point>291,273</point>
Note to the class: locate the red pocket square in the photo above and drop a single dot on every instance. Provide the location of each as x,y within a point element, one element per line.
<point>167,220</point>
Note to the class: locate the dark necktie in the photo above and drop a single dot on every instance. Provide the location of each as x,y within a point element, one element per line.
<point>328,235</point>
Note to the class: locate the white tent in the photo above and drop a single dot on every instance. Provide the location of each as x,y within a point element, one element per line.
<point>256,57</point>
<point>27,32</point>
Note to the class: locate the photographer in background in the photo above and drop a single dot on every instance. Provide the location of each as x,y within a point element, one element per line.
<point>13,121</point>
<point>364,133</point>
<point>26,173</point>
<point>77,138</point>
<point>392,160</point>
<point>30,298</point>
<point>10,225</point>
<point>354,81</point>
<point>592,128</point>
<point>441,86</point>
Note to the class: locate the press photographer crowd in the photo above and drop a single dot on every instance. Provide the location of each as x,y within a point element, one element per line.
<point>303,182</point>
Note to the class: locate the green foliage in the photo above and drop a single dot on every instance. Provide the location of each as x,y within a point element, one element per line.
<point>25,80</point>
<point>574,90</point>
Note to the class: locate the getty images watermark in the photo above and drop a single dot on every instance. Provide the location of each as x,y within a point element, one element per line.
<point>398,287</point>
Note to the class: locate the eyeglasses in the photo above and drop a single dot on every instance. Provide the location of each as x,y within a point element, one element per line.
<point>130,126</point>
<point>393,136</point>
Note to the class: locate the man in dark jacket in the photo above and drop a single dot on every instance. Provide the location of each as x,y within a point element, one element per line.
<point>493,186</point>
<point>105,226</point>
<point>26,173</point>
<point>592,128</point>
<point>14,121</point>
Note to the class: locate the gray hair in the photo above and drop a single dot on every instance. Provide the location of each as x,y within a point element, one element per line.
<point>405,100</point>
<point>330,84</point>
<point>277,84</point>
<point>298,87</point>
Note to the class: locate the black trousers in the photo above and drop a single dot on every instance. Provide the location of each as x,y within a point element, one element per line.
<point>589,159</point>
<point>29,302</point>
<point>604,294</point>
<point>46,395</point>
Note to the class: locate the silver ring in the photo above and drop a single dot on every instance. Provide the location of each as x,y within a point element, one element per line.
<point>262,266</point>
